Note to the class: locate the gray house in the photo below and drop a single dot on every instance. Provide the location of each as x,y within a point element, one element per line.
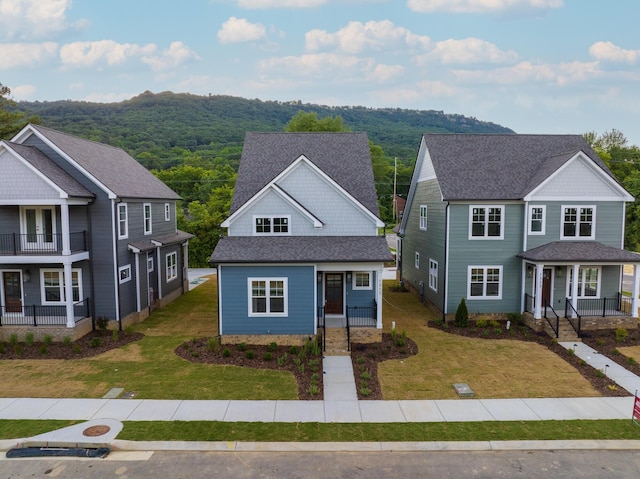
<point>518,224</point>
<point>303,249</point>
<point>85,232</point>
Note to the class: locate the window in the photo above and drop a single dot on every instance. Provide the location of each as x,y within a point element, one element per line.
<point>123,221</point>
<point>361,280</point>
<point>537,219</point>
<point>485,282</point>
<point>167,211</point>
<point>423,217</point>
<point>147,218</point>
<point>433,274</point>
<point>52,283</point>
<point>272,225</point>
<point>578,222</point>
<point>588,282</point>
<point>417,260</point>
<point>172,266</point>
<point>149,262</point>
<point>124,273</point>
<point>486,222</point>
<point>268,296</point>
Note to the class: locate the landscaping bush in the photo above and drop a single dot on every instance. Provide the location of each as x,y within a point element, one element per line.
<point>28,339</point>
<point>621,334</point>
<point>462,315</point>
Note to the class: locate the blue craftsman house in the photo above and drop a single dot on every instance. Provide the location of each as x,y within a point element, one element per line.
<point>529,224</point>
<point>303,249</point>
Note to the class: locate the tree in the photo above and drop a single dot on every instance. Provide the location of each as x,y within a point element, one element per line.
<point>12,121</point>
<point>308,121</point>
<point>462,315</point>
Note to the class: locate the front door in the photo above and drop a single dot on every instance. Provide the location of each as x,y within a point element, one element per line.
<point>546,287</point>
<point>12,291</point>
<point>333,293</point>
<point>38,229</point>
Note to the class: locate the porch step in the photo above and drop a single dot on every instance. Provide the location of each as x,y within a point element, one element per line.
<point>565,331</point>
<point>336,342</point>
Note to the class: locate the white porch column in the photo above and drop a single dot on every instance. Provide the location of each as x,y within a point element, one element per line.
<point>379,299</point>
<point>66,238</point>
<point>636,284</point>
<point>574,289</point>
<point>68,291</point>
<point>539,283</point>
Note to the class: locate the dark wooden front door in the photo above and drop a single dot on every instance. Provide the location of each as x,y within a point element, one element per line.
<point>546,287</point>
<point>12,291</point>
<point>333,293</point>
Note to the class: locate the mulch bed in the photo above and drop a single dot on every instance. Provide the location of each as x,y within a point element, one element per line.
<point>607,344</point>
<point>94,343</point>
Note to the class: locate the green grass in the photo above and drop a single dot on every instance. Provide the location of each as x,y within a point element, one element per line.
<point>330,432</point>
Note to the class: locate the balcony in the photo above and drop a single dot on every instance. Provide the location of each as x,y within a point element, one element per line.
<point>15,244</point>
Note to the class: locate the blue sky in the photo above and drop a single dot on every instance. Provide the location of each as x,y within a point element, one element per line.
<point>536,66</point>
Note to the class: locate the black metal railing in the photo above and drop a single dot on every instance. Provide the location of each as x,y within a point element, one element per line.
<point>361,317</point>
<point>574,318</point>
<point>23,244</point>
<point>552,319</point>
<point>321,324</point>
<point>618,305</point>
<point>46,315</point>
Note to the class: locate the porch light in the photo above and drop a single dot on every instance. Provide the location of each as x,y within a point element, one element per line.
<point>529,271</point>
<point>26,276</point>
<point>319,277</point>
<point>348,275</point>
<point>559,272</point>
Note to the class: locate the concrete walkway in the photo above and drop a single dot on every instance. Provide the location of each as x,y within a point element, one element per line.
<point>338,379</point>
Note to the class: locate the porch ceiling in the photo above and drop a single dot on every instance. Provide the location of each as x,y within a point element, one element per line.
<point>579,251</point>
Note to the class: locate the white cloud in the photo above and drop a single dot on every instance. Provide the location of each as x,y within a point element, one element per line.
<point>23,92</point>
<point>468,50</point>
<point>322,65</point>
<point>607,51</point>
<point>239,30</point>
<point>263,4</point>
<point>386,73</point>
<point>436,88</point>
<point>480,6</point>
<point>359,37</point>
<point>108,97</point>
<point>18,55</point>
<point>177,54</point>
<point>32,18</point>
<point>526,72</point>
<point>85,54</point>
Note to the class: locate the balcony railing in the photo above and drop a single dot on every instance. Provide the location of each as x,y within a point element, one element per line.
<point>42,315</point>
<point>14,244</point>
<point>618,305</point>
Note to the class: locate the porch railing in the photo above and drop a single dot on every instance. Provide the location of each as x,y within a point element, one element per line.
<point>574,318</point>
<point>13,244</point>
<point>42,315</point>
<point>320,320</point>
<point>361,317</point>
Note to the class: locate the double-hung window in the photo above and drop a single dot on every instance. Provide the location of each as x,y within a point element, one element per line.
<point>172,266</point>
<point>124,273</point>
<point>588,282</point>
<point>423,217</point>
<point>272,225</point>
<point>486,222</point>
<point>578,222</point>
<point>537,216</point>
<point>484,282</point>
<point>433,274</point>
<point>268,296</point>
<point>53,287</point>
<point>123,221</point>
<point>361,280</point>
<point>147,218</point>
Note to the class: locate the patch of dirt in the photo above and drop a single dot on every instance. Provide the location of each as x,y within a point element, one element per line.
<point>305,363</point>
<point>93,344</point>
<point>605,386</point>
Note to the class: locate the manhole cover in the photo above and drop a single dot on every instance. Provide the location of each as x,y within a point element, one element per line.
<point>94,431</point>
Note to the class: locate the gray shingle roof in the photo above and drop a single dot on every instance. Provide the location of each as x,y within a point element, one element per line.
<point>112,166</point>
<point>580,251</point>
<point>148,244</point>
<point>57,175</point>
<point>344,157</point>
<point>500,167</point>
<point>301,249</point>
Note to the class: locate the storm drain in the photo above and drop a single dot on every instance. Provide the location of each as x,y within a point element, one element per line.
<point>25,452</point>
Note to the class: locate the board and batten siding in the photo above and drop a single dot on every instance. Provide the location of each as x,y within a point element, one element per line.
<point>234,293</point>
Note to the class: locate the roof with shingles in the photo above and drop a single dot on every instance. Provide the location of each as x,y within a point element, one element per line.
<point>53,172</point>
<point>344,157</point>
<point>148,244</point>
<point>579,251</point>
<point>500,166</point>
<point>301,249</point>
<point>111,166</point>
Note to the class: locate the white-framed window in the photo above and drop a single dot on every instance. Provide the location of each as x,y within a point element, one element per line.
<point>433,274</point>
<point>148,222</point>
<point>149,262</point>
<point>537,219</point>
<point>268,296</point>
<point>486,222</point>
<point>416,260</point>
<point>588,282</point>
<point>124,273</point>
<point>578,222</point>
<point>52,290</point>
<point>172,266</point>
<point>423,217</point>
<point>272,225</point>
<point>123,221</point>
<point>362,280</point>
<point>167,211</point>
<point>484,282</point>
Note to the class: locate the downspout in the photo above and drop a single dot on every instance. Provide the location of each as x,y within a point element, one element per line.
<point>446,262</point>
<point>219,295</point>
<point>89,246</point>
<point>116,282</point>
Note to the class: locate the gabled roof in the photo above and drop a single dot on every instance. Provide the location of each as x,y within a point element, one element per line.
<point>579,251</point>
<point>343,157</point>
<point>109,167</point>
<point>49,169</point>
<point>500,167</point>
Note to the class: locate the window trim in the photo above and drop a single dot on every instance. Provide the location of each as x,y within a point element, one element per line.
<point>581,273</point>
<point>272,218</point>
<point>147,220</point>
<point>543,220</point>
<point>167,211</point>
<point>433,274</point>
<point>486,222</point>
<point>579,209</point>
<point>122,269</point>
<point>484,282</point>
<point>125,222</point>
<point>171,269</point>
<point>423,218</point>
<point>61,287</point>
<point>268,313</point>
<point>354,285</point>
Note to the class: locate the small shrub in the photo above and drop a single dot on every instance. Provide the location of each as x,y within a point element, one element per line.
<point>313,390</point>
<point>28,338</point>
<point>494,324</point>
<point>76,348</point>
<point>102,322</point>
<point>43,349</point>
<point>17,348</point>
<point>481,323</point>
<point>571,351</point>
<point>128,330</point>
<point>213,344</point>
<point>95,343</point>
<point>282,359</point>
<point>621,334</point>
<point>360,360</point>
<point>400,342</point>
<point>315,377</point>
<point>47,340</point>
<point>485,332</point>
<point>497,331</point>
<point>293,350</point>
<point>600,342</point>
<point>13,339</point>
<point>301,368</point>
<point>462,315</point>
<point>268,356</point>
<point>612,387</point>
<point>226,352</point>
<point>114,335</point>
<point>615,352</point>
<point>272,346</point>
<point>515,318</point>
<point>66,341</point>
<point>242,347</point>
<point>600,374</point>
<point>249,354</point>
<point>195,354</point>
<point>297,361</point>
<point>631,361</point>
<point>365,391</point>
<point>366,375</point>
